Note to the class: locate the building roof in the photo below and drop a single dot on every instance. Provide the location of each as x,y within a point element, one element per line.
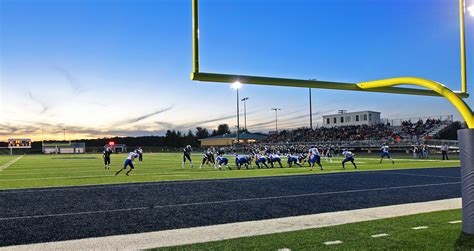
<point>350,113</point>
<point>255,136</point>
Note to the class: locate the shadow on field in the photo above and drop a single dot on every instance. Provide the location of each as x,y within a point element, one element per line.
<point>464,242</point>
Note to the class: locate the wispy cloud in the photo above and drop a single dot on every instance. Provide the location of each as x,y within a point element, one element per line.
<point>166,125</point>
<point>70,78</point>
<point>140,118</point>
<point>44,107</point>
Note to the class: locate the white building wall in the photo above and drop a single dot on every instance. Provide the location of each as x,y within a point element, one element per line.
<point>352,118</point>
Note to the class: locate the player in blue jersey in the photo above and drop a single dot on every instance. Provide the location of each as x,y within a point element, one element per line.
<point>294,160</point>
<point>385,153</point>
<point>128,162</point>
<point>314,157</point>
<point>275,157</point>
<point>260,159</point>
<point>348,157</point>
<point>241,161</point>
<point>222,161</point>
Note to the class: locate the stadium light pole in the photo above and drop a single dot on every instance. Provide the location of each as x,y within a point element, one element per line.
<point>276,118</point>
<point>236,86</point>
<point>310,110</point>
<point>245,111</point>
<point>311,105</point>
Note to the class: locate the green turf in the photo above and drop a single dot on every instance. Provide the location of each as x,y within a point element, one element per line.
<point>6,158</point>
<point>440,235</point>
<point>73,170</point>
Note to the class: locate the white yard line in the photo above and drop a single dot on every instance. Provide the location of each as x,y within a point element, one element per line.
<point>242,229</point>
<point>327,243</point>
<point>11,162</point>
<point>455,222</point>
<point>218,202</point>
<point>379,235</point>
<point>419,227</point>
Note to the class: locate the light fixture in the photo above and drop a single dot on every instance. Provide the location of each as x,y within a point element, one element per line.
<point>236,85</point>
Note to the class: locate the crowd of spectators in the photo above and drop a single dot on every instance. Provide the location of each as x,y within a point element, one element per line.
<point>410,129</point>
<point>407,130</point>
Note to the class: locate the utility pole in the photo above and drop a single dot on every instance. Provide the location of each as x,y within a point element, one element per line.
<point>245,111</point>
<point>276,118</point>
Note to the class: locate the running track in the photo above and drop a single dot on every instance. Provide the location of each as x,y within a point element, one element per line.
<point>54,214</point>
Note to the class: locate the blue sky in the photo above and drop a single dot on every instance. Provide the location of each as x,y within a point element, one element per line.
<point>121,67</point>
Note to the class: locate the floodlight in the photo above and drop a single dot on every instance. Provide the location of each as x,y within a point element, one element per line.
<point>471,10</point>
<point>236,85</point>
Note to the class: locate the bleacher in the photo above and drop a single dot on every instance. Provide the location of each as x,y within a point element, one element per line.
<point>404,135</point>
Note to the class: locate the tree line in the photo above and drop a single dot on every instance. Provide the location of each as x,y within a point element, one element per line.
<point>172,138</point>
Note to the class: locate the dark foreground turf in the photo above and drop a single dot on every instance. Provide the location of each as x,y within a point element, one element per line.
<point>41,215</point>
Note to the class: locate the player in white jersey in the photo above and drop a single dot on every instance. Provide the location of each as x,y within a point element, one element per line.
<point>385,153</point>
<point>348,156</point>
<point>314,157</point>
<point>129,162</point>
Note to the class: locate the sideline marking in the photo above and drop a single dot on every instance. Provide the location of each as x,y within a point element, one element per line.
<point>185,236</point>
<point>11,162</point>
<point>94,176</point>
<point>379,235</point>
<point>327,243</point>
<point>455,222</point>
<point>419,228</point>
<point>222,201</point>
<point>421,175</point>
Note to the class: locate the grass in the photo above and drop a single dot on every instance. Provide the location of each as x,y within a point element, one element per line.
<point>34,171</point>
<point>440,235</point>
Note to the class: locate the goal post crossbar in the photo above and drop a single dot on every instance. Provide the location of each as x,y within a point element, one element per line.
<point>385,85</point>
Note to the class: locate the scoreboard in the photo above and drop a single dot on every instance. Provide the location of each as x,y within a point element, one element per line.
<point>19,143</point>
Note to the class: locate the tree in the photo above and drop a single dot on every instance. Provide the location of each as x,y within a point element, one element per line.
<point>201,133</point>
<point>244,130</point>
<point>223,129</point>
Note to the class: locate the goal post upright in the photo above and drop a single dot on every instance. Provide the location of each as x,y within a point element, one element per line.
<point>462,38</point>
<point>431,88</point>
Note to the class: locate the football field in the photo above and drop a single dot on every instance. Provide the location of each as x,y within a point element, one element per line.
<point>36,171</point>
